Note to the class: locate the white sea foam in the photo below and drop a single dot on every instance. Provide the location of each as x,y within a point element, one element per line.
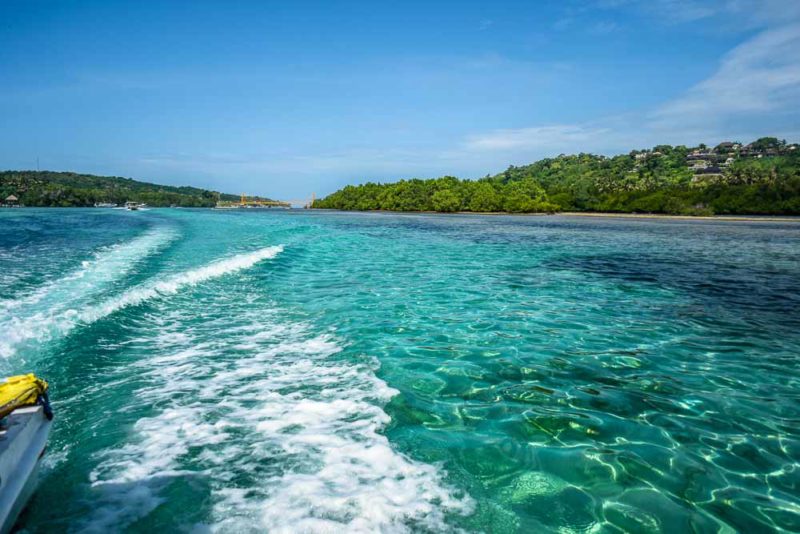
<point>59,321</point>
<point>107,264</point>
<point>175,283</point>
<point>271,404</point>
<point>40,313</point>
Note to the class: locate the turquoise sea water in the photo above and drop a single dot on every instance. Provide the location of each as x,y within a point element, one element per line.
<point>249,370</point>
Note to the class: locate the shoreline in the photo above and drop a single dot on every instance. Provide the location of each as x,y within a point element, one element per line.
<point>734,218</point>
<point>608,215</point>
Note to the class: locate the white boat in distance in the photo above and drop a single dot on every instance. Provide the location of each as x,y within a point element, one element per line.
<point>133,206</point>
<point>104,205</point>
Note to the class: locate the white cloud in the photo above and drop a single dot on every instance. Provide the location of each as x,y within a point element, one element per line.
<point>683,10</point>
<point>756,79</point>
<point>736,15</point>
<point>755,91</point>
<point>536,138</point>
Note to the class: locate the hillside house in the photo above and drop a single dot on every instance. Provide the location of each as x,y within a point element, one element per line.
<point>727,147</point>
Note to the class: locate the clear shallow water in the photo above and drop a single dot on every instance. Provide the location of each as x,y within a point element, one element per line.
<point>250,371</point>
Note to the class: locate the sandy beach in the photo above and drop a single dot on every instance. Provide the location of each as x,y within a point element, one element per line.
<point>731,218</point>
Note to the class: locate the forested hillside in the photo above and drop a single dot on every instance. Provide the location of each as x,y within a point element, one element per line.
<point>46,188</point>
<point>762,177</point>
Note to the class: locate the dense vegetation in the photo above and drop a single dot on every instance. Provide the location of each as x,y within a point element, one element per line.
<point>46,188</point>
<point>760,178</point>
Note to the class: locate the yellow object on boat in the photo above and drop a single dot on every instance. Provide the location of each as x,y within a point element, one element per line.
<point>22,390</point>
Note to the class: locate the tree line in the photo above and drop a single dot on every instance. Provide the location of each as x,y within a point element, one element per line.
<point>447,194</point>
<point>67,189</point>
<point>658,180</point>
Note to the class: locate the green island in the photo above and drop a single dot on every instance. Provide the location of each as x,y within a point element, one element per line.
<point>759,178</point>
<point>69,189</point>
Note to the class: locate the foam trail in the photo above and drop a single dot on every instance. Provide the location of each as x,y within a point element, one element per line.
<point>108,264</point>
<point>270,404</point>
<point>172,285</point>
<point>65,320</point>
<point>35,315</point>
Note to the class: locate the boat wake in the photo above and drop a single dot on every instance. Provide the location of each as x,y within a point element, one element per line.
<point>37,315</point>
<point>59,320</point>
<point>289,434</point>
<point>175,283</point>
<point>264,415</point>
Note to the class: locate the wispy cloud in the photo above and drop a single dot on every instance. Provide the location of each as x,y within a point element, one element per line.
<point>754,91</point>
<point>739,15</point>
<point>757,78</point>
<point>682,10</point>
<point>545,138</point>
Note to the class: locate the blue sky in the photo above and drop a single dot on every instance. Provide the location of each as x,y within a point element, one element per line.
<point>285,99</point>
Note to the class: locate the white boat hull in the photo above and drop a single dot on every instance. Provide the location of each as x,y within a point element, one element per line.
<point>22,444</point>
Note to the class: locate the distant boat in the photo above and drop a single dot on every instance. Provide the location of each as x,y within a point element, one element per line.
<point>26,419</point>
<point>104,205</point>
<point>133,206</point>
